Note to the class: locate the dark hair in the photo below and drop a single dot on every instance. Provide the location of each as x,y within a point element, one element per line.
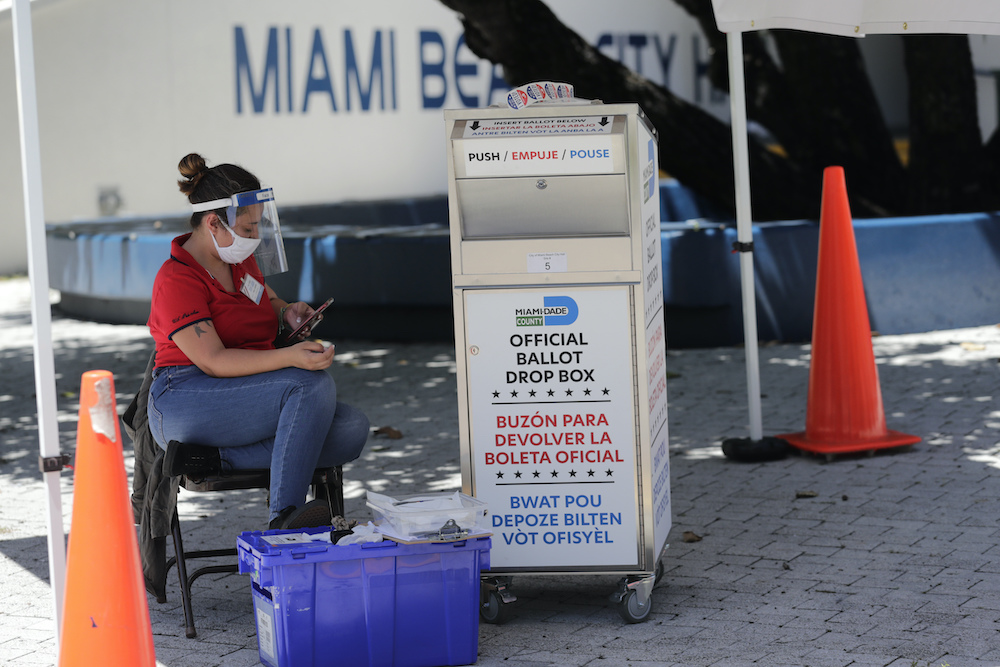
<point>202,184</point>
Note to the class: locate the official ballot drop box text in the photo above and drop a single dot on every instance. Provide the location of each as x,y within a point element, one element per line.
<point>555,244</point>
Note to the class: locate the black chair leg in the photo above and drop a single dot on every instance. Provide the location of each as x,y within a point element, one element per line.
<point>337,489</point>
<point>331,489</point>
<point>175,529</point>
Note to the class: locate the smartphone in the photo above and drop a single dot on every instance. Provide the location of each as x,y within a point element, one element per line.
<point>310,321</point>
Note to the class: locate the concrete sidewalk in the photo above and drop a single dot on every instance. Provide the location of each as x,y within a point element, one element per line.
<point>886,560</point>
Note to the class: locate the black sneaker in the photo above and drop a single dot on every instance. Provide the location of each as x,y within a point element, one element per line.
<point>314,514</point>
<point>194,461</point>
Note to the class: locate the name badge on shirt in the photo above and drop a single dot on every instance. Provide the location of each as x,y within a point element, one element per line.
<point>253,289</point>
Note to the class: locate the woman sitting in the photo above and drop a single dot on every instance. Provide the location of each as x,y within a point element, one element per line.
<point>220,385</point>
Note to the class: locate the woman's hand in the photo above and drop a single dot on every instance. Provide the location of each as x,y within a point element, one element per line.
<point>310,355</point>
<point>201,344</point>
<point>297,313</point>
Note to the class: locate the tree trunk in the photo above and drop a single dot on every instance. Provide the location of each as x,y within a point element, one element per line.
<point>815,99</point>
<point>533,45</point>
<point>818,104</point>
<point>947,167</point>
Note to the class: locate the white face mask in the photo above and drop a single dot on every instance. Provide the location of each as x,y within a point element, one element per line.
<point>240,249</point>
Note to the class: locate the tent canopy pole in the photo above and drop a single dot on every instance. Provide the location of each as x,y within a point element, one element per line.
<point>744,226</point>
<point>38,276</point>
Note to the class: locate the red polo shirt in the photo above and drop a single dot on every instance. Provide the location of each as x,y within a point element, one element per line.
<point>184,293</point>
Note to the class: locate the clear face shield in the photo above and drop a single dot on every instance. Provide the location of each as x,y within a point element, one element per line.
<point>254,215</point>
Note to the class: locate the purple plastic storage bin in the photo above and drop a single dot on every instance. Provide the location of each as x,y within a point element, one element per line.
<point>380,604</point>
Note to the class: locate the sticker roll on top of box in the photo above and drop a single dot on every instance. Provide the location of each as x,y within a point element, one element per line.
<point>539,91</point>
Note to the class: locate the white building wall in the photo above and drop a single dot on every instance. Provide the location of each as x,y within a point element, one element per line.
<point>125,89</point>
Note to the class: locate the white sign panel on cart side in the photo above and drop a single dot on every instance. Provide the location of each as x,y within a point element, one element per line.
<point>552,413</point>
<point>655,339</point>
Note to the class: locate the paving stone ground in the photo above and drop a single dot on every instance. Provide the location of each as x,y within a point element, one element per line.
<point>891,560</point>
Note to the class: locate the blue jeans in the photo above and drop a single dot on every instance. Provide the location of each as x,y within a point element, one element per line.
<point>287,420</point>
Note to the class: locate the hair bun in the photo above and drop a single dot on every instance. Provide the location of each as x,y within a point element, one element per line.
<point>192,167</point>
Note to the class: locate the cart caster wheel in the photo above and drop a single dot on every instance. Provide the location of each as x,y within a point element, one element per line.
<point>492,609</point>
<point>632,610</point>
<point>495,600</point>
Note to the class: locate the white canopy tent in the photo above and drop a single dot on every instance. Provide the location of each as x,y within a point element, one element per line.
<point>846,17</point>
<point>851,18</point>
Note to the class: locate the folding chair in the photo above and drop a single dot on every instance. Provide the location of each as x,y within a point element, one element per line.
<point>327,484</point>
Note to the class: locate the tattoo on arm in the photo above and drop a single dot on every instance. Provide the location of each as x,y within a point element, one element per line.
<point>198,330</point>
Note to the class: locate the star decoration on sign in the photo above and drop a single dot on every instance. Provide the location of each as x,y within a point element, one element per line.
<point>513,394</point>
<point>551,393</point>
<point>572,473</point>
<point>531,393</point>
<point>605,391</point>
<point>535,474</point>
<point>590,473</point>
<point>517,474</point>
<point>569,392</point>
<point>496,394</point>
<point>586,392</point>
<point>610,473</point>
<point>499,474</point>
<point>555,474</point>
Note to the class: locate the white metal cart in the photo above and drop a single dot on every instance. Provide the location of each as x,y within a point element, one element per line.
<point>558,297</point>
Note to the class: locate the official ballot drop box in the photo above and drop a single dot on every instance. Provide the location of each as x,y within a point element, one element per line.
<point>558,301</point>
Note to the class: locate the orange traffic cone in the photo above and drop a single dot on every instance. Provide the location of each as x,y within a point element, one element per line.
<point>844,411</point>
<point>105,615</point>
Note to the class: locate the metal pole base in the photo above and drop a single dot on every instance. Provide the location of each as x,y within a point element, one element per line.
<point>748,450</point>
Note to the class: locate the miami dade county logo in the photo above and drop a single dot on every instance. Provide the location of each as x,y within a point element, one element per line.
<point>648,172</point>
<point>555,311</point>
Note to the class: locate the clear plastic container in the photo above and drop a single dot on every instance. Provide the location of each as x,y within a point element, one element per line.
<point>437,516</point>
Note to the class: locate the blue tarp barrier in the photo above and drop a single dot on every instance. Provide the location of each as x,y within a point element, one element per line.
<point>376,258</point>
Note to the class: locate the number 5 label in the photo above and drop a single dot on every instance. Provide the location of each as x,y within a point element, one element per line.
<point>547,262</point>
